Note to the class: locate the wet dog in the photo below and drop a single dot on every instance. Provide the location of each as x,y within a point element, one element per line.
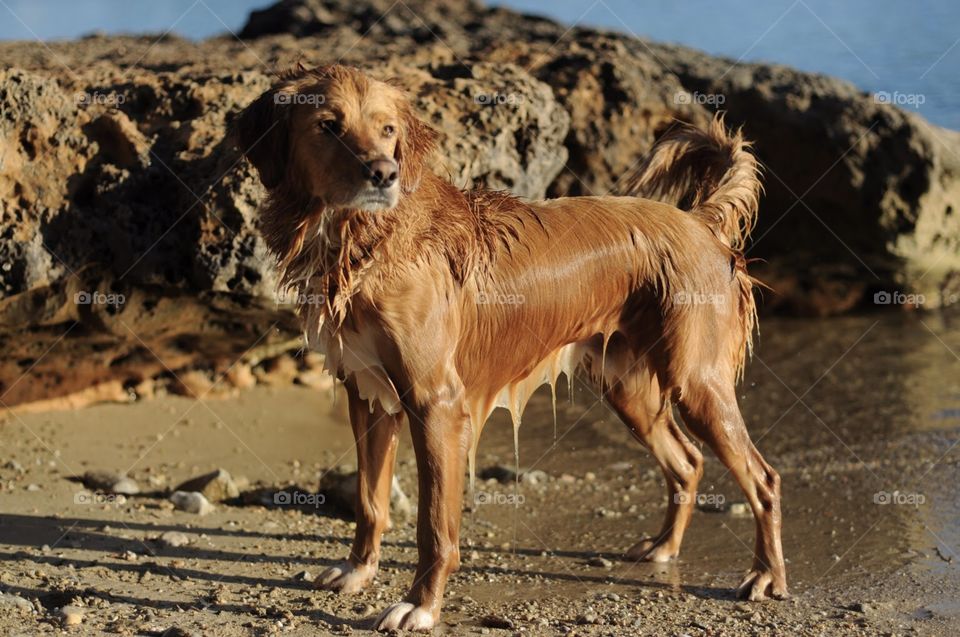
<point>405,279</point>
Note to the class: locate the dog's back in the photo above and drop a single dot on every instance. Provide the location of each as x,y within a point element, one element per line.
<point>673,284</point>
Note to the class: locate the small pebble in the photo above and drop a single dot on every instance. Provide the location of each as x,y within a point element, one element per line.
<point>125,486</point>
<point>174,539</point>
<point>215,486</point>
<point>6,599</point>
<point>110,482</point>
<point>191,502</point>
<point>71,616</point>
<point>601,562</point>
<point>496,621</point>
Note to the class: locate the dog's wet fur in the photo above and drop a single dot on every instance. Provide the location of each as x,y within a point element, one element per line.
<point>435,305</point>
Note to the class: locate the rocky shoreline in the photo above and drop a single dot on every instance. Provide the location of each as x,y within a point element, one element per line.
<point>128,237</point>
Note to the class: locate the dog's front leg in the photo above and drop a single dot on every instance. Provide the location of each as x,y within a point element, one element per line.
<point>375,433</point>
<point>441,433</point>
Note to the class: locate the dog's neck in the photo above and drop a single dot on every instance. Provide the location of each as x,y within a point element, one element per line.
<point>324,253</point>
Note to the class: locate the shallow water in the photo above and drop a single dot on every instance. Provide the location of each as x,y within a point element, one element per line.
<point>853,412</point>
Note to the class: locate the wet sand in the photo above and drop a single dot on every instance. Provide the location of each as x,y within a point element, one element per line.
<point>858,414</point>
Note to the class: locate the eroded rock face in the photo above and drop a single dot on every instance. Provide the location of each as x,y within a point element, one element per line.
<point>119,178</point>
<point>500,127</point>
<point>42,150</point>
<point>860,196</point>
<point>421,20</point>
<point>619,103</point>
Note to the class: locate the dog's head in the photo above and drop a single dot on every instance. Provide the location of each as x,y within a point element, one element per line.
<point>346,139</point>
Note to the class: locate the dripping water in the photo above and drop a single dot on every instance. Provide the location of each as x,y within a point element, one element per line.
<point>603,363</point>
<point>553,400</point>
<point>472,471</point>
<point>515,413</point>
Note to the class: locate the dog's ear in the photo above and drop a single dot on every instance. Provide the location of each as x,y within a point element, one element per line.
<point>416,141</point>
<point>263,135</point>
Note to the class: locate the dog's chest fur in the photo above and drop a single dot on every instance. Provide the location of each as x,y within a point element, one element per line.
<point>347,337</point>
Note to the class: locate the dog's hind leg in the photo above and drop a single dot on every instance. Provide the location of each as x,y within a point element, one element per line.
<point>708,405</point>
<point>639,402</point>
<point>375,433</point>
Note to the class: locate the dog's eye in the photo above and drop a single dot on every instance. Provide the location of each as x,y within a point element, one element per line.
<point>331,126</point>
<point>389,130</point>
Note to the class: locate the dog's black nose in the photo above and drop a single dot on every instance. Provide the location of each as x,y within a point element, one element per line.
<point>382,172</point>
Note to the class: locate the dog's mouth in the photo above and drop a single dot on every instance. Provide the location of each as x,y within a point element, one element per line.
<point>376,199</point>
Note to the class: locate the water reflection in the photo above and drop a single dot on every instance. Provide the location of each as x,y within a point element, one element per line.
<point>859,414</point>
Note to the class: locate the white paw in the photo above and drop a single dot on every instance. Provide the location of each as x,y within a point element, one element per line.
<point>347,578</point>
<point>405,616</point>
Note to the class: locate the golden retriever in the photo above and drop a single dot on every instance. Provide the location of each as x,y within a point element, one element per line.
<point>435,305</point>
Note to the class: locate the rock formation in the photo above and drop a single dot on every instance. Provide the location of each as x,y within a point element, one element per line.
<point>128,220</point>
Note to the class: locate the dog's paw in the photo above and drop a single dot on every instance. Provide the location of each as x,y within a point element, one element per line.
<point>651,550</point>
<point>405,616</point>
<point>759,585</point>
<point>347,578</point>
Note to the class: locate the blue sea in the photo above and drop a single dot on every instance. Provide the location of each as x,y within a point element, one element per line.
<point>906,50</point>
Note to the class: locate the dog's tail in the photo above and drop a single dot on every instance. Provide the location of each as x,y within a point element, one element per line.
<point>710,173</point>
